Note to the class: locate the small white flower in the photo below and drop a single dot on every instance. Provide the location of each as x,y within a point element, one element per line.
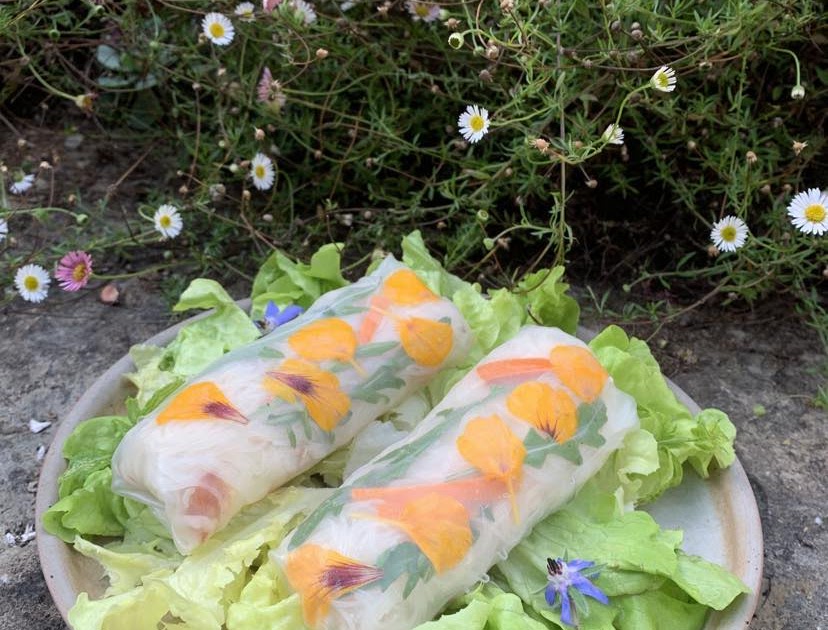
<point>4,230</point>
<point>245,11</point>
<point>729,234</point>
<point>32,283</point>
<point>37,427</point>
<point>168,221</point>
<point>21,183</point>
<point>797,92</point>
<point>423,11</point>
<point>474,123</point>
<point>664,79</point>
<point>218,29</point>
<point>305,9</point>
<point>809,211</point>
<point>261,170</point>
<point>613,134</point>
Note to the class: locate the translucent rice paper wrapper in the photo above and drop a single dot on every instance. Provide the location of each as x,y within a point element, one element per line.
<point>426,518</point>
<point>267,411</point>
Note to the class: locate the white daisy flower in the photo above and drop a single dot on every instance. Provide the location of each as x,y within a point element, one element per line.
<point>729,234</point>
<point>4,230</point>
<point>245,10</point>
<point>613,134</point>
<point>218,29</point>
<point>32,282</point>
<point>305,9</point>
<point>261,170</point>
<point>21,183</point>
<point>664,79</point>
<point>474,123</point>
<point>168,221</point>
<point>809,211</point>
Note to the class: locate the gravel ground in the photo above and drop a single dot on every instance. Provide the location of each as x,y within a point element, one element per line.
<point>49,354</point>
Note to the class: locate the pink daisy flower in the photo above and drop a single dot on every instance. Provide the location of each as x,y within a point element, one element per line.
<point>269,5</point>
<point>270,91</point>
<point>73,271</point>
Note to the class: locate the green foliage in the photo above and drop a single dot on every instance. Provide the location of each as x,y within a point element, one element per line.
<point>361,123</point>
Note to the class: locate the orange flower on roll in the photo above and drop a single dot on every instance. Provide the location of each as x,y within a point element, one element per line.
<point>317,389</point>
<point>548,409</point>
<point>402,287</point>
<point>322,575</point>
<point>200,401</point>
<point>489,445</point>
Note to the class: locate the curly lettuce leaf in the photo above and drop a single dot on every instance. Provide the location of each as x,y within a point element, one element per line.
<point>652,460</point>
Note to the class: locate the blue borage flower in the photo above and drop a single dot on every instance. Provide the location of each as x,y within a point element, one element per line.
<point>274,317</point>
<point>563,576</point>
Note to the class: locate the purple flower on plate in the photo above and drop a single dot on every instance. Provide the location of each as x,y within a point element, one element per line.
<point>274,317</point>
<point>563,576</point>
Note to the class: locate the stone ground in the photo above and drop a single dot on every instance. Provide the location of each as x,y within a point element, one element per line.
<point>50,353</point>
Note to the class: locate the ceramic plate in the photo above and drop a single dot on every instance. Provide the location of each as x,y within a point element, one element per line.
<point>719,516</point>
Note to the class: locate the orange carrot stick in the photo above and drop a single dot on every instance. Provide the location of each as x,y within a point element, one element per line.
<point>372,319</point>
<point>474,490</point>
<point>513,369</point>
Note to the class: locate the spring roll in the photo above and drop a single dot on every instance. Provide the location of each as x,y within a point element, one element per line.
<point>425,519</point>
<point>270,410</point>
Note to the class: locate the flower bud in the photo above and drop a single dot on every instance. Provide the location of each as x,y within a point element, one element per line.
<point>797,92</point>
<point>321,53</point>
<point>488,243</point>
<point>259,134</point>
<point>482,216</point>
<point>455,40</point>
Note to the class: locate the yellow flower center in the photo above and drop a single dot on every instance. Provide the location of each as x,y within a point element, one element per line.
<point>421,10</point>
<point>31,283</point>
<point>79,272</point>
<point>728,233</point>
<point>217,30</point>
<point>477,123</point>
<point>663,80</point>
<point>259,171</point>
<point>165,221</point>
<point>815,213</point>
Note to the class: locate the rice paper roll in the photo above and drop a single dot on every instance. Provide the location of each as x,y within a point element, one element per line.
<point>426,518</point>
<point>267,411</point>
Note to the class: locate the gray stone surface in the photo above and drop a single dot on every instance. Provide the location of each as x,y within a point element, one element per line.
<point>50,353</point>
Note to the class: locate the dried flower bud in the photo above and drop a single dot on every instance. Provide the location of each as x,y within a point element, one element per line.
<point>798,146</point>
<point>71,199</point>
<point>508,171</point>
<point>321,53</point>
<point>259,134</point>
<point>712,251</point>
<point>637,34</point>
<point>825,272</point>
<point>615,25</point>
<point>587,63</point>
<point>503,242</point>
<point>217,191</point>
<point>751,158</point>
<point>765,190</point>
<point>541,145</point>
<point>452,24</point>
<point>787,188</point>
<point>485,75</point>
<point>246,195</point>
<point>507,5</point>
<point>267,218</point>
<point>317,154</point>
<point>592,183</point>
<point>21,143</point>
<point>44,165</point>
<point>441,225</point>
<point>492,52</point>
<point>635,25</point>
<point>691,145</point>
<point>367,214</point>
<point>346,219</point>
<point>183,190</point>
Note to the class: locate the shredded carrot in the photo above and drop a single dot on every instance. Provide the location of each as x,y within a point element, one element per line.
<point>372,318</point>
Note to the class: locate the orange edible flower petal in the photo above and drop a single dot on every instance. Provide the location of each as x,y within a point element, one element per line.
<point>579,371</point>
<point>325,339</point>
<point>322,575</point>
<point>200,401</point>
<point>470,492</point>
<point>549,410</point>
<point>439,526</point>
<point>426,341</point>
<point>318,390</point>
<point>405,288</point>
<point>506,369</point>
<point>489,445</point>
